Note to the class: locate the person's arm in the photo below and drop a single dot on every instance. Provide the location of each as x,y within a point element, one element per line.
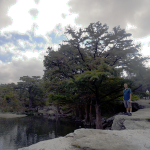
<point>130,96</point>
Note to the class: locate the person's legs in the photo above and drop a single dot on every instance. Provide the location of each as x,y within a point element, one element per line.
<point>127,109</point>
<point>130,109</point>
<point>126,106</point>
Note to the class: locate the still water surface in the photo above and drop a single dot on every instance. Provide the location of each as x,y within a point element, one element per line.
<point>22,132</point>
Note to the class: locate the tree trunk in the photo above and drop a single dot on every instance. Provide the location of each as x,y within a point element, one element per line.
<point>76,111</point>
<point>58,109</point>
<point>91,115</point>
<point>30,102</point>
<point>80,112</point>
<point>86,114</point>
<point>98,117</point>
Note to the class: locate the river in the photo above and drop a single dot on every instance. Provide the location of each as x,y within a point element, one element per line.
<point>22,132</point>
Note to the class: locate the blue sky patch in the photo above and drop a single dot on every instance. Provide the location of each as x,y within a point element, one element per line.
<point>6,57</point>
<point>56,39</point>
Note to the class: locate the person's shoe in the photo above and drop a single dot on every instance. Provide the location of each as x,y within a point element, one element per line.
<point>126,113</point>
<point>129,114</point>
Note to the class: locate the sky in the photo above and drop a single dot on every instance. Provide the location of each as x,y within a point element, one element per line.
<point>29,27</point>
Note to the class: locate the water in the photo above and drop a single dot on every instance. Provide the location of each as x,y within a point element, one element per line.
<point>22,132</point>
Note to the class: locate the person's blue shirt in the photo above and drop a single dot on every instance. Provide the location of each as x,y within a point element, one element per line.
<point>126,94</point>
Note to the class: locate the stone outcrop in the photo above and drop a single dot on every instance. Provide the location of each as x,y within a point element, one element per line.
<point>131,133</point>
<point>48,110</point>
<point>95,139</point>
<point>138,120</point>
<point>51,110</point>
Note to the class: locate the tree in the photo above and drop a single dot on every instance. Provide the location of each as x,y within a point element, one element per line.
<point>102,84</point>
<point>9,98</point>
<point>92,56</point>
<point>116,47</point>
<point>32,87</point>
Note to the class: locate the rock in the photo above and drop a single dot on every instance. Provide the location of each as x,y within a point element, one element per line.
<point>91,139</point>
<point>51,113</point>
<point>48,110</point>
<point>138,120</point>
<point>136,106</point>
<point>108,122</point>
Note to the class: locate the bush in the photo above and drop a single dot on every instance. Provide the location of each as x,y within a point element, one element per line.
<point>64,109</point>
<point>135,97</point>
<point>141,94</point>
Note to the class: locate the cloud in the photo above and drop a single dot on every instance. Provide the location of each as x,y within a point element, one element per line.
<point>5,20</point>
<point>114,13</point>
<point>42,18</point>
<point>33,12</point>
<point>23,57</point>
<point>37,1</point>
<point>28,62</point>
<point>12,71</point>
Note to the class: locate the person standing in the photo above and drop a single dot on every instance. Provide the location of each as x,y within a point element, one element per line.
<point>127,99</point>
<point>147,92</point>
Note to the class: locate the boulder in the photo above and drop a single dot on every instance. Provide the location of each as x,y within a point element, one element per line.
<point>51,113</point>
<point>95,139</point>
<point>136,106</point>
<point>107,123</point>
<point>48,110</point>
<point>138,120</point>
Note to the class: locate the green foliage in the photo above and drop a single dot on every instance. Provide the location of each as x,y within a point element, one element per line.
<point>64,108</point>
<point>135,97</point>
<point>141,94</point>
<point>58,99</point>
<point>11,103</point>
<point>33,89</point>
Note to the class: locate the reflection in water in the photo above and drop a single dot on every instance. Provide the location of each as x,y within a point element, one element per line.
<point>22,132</point>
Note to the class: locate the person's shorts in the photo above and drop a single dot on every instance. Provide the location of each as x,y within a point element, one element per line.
<point>127,103</point>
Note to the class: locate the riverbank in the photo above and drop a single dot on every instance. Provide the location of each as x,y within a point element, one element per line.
<point>10,115</point>
<point>125,139</point>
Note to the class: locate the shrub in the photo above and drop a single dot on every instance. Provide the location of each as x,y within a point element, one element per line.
<point>135,97</point>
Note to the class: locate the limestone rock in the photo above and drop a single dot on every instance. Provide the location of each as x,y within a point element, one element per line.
<point>138,120</point>
<point>51,113</point>
<point>97,139</point>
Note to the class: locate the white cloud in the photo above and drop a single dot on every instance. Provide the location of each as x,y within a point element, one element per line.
<point>8,47</point>
<point>25,43</point>
<point>12,71</point>
<point>49,15</point>
<point>129,27</point>
<point>28,62</point>
<point>5,20</point>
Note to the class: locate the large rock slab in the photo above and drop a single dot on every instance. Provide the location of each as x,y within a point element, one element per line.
<point>138,120</point>
<point>96,139</point>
